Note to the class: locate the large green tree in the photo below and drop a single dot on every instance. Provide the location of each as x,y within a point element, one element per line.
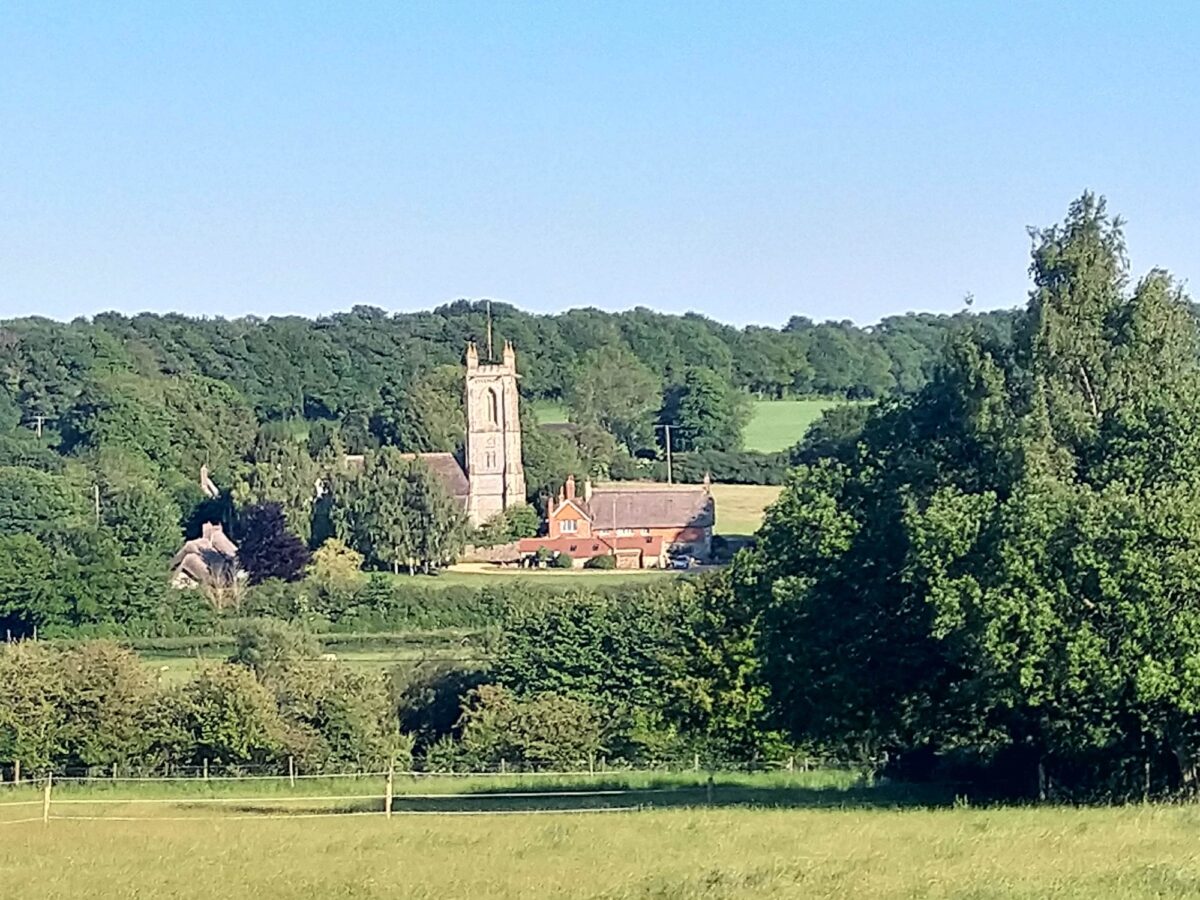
<point>611,388</point>
<point>1005,568</point>
<point>705,412</point>
<point>396,513</point>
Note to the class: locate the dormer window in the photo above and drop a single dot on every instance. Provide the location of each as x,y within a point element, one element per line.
<point>568,526</point>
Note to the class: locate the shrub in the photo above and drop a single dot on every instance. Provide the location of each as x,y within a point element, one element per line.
<point>268,645</point>
<point>601,562</point>
<point>562,561</point>
<point>334,566</point>
<point>225,715</point>
<point>509,525</point>
<point>428,699</point>
<point>107,704</point>
<point>545,729</point>
<point>338,719</point>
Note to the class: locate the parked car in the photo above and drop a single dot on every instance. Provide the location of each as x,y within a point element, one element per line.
<point>682,562</point>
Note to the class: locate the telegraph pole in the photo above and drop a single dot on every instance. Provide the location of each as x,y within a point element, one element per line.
<point>667,436</point>
<point>39,421</point>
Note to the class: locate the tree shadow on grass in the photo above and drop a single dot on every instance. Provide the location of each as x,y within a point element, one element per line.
<point>618,795</point>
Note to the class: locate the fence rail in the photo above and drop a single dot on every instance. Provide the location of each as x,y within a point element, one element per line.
<point>387,802</point>
<point>12,772</point>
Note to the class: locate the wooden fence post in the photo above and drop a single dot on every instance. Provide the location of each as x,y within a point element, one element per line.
<point>16,771</point>
<point>696,762</point>
<point>46,798</point>
<point>503,766</point>
<point>292,770</point>
<point>387,794</point>
<point>708,790</point>
<point>205,768</point>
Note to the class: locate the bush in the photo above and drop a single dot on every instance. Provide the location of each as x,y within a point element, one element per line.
<point>562,561</point>
<point>601,562</point>
<point>545,729</point>
<point>511,524</point>
<point>268,645</point>
<point>225,715</point>
<point>741,467</point>
<point>338,719</point>
<point>428,699</point>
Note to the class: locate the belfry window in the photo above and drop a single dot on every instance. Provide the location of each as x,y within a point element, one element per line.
<point>493,408</point>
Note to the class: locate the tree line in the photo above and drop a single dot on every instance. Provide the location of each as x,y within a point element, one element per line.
<point>643,685</point>
<point>292,367</point>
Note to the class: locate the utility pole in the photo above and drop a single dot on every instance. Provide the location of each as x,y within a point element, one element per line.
<point>39,421</point>
<point>667,437</point>
<point>96,498</point>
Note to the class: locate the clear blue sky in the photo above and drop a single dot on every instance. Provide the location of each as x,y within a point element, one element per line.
<point>747,160</point>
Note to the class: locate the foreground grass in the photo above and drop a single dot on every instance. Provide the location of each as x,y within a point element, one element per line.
<point>686,852</point>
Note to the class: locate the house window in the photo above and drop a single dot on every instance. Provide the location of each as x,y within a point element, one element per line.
<point>645,531</point>
<point>624,532</point>
<point>568,526</point>
<point>489,459</point>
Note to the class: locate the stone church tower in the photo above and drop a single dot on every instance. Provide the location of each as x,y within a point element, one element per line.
<point>497,478</point>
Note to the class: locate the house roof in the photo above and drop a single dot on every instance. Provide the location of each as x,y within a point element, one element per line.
<point>674,506</point>
<point>208,559</point>
<point>586,548</point>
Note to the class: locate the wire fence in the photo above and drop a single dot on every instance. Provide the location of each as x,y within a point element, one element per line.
<point>289,769</point>
<point>175,799</point>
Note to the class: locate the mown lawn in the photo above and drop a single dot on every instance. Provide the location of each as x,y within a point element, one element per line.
<point>798,842</point>
<point>482,574</point>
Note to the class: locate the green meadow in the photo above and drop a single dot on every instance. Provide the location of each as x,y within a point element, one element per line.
<point>774,424</point>
<point>808,835</point>
<point>778,424</point>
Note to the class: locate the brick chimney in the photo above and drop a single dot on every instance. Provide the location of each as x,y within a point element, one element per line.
<point>570,487</point>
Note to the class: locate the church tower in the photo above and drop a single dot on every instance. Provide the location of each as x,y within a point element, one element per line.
<point>497,478</point>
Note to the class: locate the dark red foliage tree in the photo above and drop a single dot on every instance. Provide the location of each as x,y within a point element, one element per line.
<point>268,549</point>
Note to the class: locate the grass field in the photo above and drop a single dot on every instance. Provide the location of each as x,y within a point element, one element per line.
<point>778,424</point>
<point>177,668</point>
<point>370,653</point>
<point>740,506</point>
<point>549,412</point>
<point>785,841</point>
<point>774,424</point>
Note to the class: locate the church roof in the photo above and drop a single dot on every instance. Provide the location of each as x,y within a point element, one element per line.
<point>444,466</point>
<point>449,472</point>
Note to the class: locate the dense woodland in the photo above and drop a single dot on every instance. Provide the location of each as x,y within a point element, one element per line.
<point>990,578</point>
<point>129,409</point>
